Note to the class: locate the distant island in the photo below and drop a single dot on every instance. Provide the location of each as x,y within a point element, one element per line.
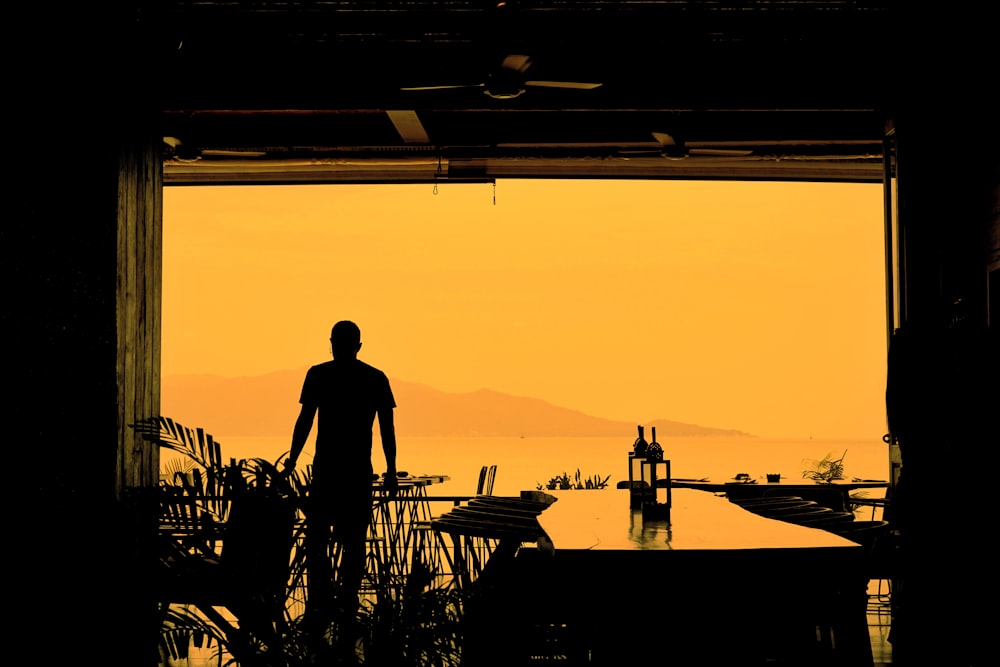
<point>266,405</point>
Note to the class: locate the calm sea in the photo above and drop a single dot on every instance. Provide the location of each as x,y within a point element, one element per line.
<point>524,463</point>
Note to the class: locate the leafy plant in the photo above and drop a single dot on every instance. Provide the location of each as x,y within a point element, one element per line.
<point>195,444</point>
<point>183,629</point>
<point>172,467</point>
<point>563,481</point>
<point>826,469</point>
<point>419,627</point>
<point>412,624</point>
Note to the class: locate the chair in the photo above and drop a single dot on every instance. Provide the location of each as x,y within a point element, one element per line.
<point>503,524</point>
<point>875,503</point>
<point>879,559</point>
<point>486,477</point>
<point>430,545</point>
<point>825,495</point>
<point>828,520</point>
<point>782,501</point>
<point>483,546</point>
<point>807,515</point>
<point>240,563</point>
<point>777,508</point>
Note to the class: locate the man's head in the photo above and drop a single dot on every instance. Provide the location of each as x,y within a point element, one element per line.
<point>345,339</point>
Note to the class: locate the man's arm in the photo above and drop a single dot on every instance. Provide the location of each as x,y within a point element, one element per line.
<point>387,429</point>
<point>299,434</point>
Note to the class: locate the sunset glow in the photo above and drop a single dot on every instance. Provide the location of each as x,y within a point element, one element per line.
<point>752,306</point>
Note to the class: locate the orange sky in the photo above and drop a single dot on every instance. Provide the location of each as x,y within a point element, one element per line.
<point>755,306</point>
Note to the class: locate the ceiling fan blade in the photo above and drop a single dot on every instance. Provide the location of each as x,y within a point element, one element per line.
<point>563,84</point>
<point>640,151</point>
<point>222,152</point>
<point>466,85</point>
<point>408,125</point>
<point>721,152</point>
<point>664,139</point>
<point>516,62</point>
<point>669,143</point>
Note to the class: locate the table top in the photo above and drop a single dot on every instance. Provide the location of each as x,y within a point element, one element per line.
<point>595,520</point>
<point>413,481</point>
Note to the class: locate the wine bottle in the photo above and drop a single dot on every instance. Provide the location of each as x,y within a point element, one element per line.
<point>654,452</point>
<point>640,446</point>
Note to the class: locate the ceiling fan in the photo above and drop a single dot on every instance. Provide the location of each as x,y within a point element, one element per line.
<point>508,81</point>
<point>178,150</point>
<point>674,148</point>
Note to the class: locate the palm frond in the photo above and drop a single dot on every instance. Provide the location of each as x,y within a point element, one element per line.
<point>826,469</point>
<point>183,628</point>
<point>195,443</point>
<point>171,468</point>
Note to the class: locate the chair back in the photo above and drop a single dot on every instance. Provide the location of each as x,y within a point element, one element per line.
<point>828,520</point>
<point>486,477</point>
<point>786,509</point>
<point>826,495</point>
<point>258,538</point>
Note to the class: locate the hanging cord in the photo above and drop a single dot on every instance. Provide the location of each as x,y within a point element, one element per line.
<point>436,174</point>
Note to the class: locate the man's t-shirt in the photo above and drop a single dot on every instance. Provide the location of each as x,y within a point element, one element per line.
<point>348,395</point>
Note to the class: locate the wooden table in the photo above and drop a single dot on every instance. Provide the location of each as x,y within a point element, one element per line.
<point>713,585</point>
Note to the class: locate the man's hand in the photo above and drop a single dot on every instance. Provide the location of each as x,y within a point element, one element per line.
<point>391,485</point>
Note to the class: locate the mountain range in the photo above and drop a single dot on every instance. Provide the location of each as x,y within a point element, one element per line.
<point>267,405</point>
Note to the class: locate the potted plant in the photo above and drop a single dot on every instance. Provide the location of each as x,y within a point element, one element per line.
<point>563,481</point>
<point>826,470</point>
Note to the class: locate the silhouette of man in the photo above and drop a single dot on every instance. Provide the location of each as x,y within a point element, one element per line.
<point>348,394</point>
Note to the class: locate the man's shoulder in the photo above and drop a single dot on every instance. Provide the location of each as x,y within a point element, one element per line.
<point>316,369</point>
<point>369,368</point>
<point>354,367</point>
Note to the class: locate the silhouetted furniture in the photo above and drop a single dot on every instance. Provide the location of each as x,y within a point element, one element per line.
<point>769,506</point>
<point>796,509</point>
<point>440,557</point>
<point>238,561</point>
<point>880,542</point>
<point>716,585</point>
<point>828,496</point>
<point>827,519</point>
<point>486,478</point>
<point>836,495</point>
<point>503,522</point>
<point>396,522</point>
<point>875,504</point>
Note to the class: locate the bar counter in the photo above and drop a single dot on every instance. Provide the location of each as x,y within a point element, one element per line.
<point>713,585</point>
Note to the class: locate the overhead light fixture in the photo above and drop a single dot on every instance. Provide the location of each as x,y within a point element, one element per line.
<point>180,151</point>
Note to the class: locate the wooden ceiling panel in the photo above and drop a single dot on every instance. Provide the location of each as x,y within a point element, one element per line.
<point>250,86</point>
